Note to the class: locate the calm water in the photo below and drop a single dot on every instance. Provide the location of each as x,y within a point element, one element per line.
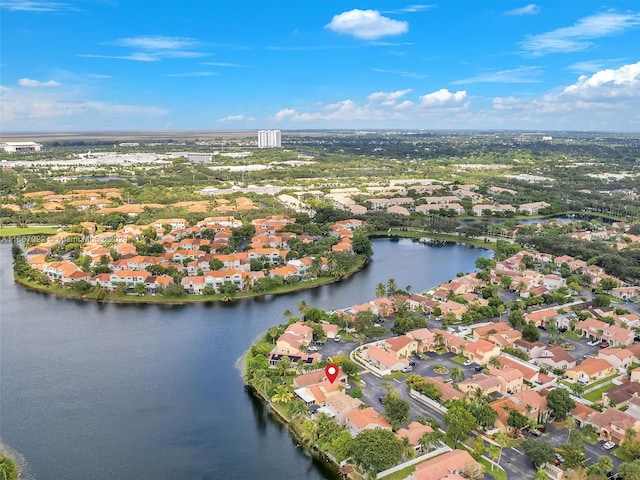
<point>96,392</point>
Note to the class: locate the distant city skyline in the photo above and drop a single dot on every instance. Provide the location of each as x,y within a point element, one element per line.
<point>94,65</point>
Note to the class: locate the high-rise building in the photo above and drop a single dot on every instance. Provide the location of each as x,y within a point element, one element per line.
<point>269,138</point>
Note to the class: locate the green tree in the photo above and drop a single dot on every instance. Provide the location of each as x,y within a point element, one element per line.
<point>539,451</point>
<point>560,403</point>
<point>261,381</point>
<point>483,413</point>
<point>349,367</point>
<point>516,318</point>
<point>517,421</point>
<point>630,470</point>
<point>630,443</point>
<point>530,332</point>
<point>8,470</point>
<point>459,422</point>
<point>283,365</point>
<point>297,409</point>
<point>376,450</point>
<point>282,394</point>
<point>430,440</point>
<point>396,410</point>
<point>456,374</point>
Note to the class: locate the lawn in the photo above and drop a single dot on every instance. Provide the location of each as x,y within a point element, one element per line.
<point>622,455</point>
<point>401,474</point>
<point>459,359</point>
<point>395,375</point>
<point>596,395</point>
<point>497,472</point>
<point>27,231</point>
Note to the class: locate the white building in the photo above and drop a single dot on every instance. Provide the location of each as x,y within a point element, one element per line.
<point>21,147</point>
<point>269,138</point>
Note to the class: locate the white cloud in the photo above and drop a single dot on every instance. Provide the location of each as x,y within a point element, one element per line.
<point>411,9</point>
<point>34,6</point>
<point>531,9</point>
<point>153,48</point>
<point>60,108</point>
<point>366,24</point>
<point>623,82</point>
<point>388,98</point>
<point>443,98</point>
<point>515,75</point>
<point>156,42</point>
<point>31,83</point>
<point>97,75</point>
<point>607,100</point>
<point>580,35</point>
<point>236,118</point>
<point>401,73</point>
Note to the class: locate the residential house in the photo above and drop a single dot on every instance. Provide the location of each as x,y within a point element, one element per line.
<point>424,339</point>
<point>533,208</point>
<point>591,328</point>
<point>505,338</point>
<point>503,408</point>
<point>618,336</point>
<point>590,370</point>
<point>612,424</point>
<point>486,383</point>
<point>401,346</point>
<point>533,349</point>
<point>620,358</point>
<point>452,465</point>
<point>485,330</point>
<point>359,420</point>
<point>340,404</point>
<point>541,317</point>
<point>413,433</point>
<point>620,395</point>
<point>481,351</point>
<point>534,404</point>
<point>555,357</point>
<point>448,391</point>
<point>511,379</point>
<point>453,307</point>
<point>386,362</point>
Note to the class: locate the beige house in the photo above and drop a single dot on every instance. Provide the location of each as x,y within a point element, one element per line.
<point>590,370</point>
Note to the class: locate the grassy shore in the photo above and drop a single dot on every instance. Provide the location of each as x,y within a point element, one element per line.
<point>443,237</point>
<point>27,231</point>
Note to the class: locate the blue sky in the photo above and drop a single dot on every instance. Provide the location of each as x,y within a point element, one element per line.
<point>305,64</point>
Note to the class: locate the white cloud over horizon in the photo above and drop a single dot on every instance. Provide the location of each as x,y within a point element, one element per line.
<point>366,24</point>
<point>31,83</point>
<point>35,6</point>
<point>235,119</point>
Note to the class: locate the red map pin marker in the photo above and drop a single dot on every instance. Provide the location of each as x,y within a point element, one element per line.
<point>331,371</point>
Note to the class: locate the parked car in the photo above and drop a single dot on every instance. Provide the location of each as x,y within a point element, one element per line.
<point>347,386</point>
<point>448,380</point>
<point>381,399</point>
<point>559,460</point>
<point>478,368</point>
<point>608,445</point>
<point>604,344</point>
<point>312,349</point>
<point>467,363</point>
<point>407,369</point>
<point>412,364</point>
<point>337,338</point>
<point>319,342</point>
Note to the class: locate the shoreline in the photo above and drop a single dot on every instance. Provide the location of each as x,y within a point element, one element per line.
<point>188,299</point>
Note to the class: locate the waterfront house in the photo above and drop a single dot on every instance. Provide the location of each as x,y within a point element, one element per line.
<point>413,433</point>
<point>452,465</point>
<point>359,420</point>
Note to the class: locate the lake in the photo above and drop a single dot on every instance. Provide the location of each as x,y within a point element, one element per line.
<point>150,392</point>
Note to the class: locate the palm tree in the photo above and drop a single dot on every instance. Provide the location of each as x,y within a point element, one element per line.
<point>287,314</point>
<point>495,362</point>
<point>392,288</point>
<point>430,439</point>
<point>502,440</point>
<point>273,333</point>
<point>438,340</point>
<point>303,307</point>
<point>494,453</point>
<point>381,290</point>
<point>299,366</point>
<point>456,374</point>
<point>282,394</point>
<point>570,425</point>
<point>261,382</point>
<point>541,474</point>
<point>310,430</point>
<point>297,409</point>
